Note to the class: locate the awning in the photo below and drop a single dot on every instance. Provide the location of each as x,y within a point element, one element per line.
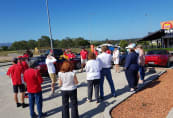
<point>168,36</point>
<point>153,36</point>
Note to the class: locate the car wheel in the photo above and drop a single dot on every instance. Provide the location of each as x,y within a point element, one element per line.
<point>168,64</point>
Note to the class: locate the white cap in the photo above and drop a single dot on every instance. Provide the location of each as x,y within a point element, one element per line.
<point>131,46</point>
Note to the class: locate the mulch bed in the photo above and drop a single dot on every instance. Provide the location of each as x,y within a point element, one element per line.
<point>155,101</point>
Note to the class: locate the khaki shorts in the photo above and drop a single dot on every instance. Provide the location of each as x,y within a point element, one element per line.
<point>53,77</point>
<point>83,61</point>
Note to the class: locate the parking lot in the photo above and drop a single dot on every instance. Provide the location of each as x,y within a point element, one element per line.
<point>53,106</point>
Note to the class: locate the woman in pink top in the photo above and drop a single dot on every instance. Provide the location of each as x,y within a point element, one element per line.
<point>141,63</point>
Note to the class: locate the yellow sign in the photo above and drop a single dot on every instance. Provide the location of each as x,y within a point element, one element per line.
<point>167,25</point>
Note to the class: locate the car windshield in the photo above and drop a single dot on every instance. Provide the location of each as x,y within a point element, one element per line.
<point>57,52</point>
<point>162,52</point>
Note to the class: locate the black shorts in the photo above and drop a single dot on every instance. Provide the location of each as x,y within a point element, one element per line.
<point>20,87</point>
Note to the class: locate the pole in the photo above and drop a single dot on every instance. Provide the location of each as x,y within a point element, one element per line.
<point>50,31</point>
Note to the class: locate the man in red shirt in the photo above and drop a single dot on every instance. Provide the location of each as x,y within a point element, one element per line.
<point>71,55</point>
<point>83,55</point>
<point>15,73</point>
<point>24,63</point>
<point>33,80</point>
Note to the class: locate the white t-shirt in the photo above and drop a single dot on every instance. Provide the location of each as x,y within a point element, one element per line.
<point>67,79</point>
<point>50,65</point>
<point>93,69</point>
<point>105,60</point>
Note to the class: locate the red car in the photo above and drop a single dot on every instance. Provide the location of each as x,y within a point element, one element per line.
<point>39,62</point>
<point>159,57</point>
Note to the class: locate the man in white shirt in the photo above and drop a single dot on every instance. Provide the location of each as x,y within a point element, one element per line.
<point>105,61</point>
<point>50,60</point>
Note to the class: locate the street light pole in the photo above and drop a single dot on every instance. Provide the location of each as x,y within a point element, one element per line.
<point>50,31</point>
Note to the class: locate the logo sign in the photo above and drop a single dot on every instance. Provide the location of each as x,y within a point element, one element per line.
<point>167,25</point>
<point>169,31</point>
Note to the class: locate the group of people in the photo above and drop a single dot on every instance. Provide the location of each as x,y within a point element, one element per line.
<point>26,77</point>
<point>135,66</point>
<point>96,67</point>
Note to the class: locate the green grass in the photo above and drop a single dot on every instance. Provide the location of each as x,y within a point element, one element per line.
<point>77,50</point>
<point>168,49</point>
<point>5,53</point>
<point>3,61</point>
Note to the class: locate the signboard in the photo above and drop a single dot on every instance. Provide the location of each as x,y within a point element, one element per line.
<point>168,31</point>
<point>167,25</point>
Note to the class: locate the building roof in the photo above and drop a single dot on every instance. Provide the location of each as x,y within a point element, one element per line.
<point>153,36</point>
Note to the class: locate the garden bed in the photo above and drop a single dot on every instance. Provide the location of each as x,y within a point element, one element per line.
<point>154,101</point>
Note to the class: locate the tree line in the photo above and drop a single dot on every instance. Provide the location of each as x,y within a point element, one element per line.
<point>44,43</point>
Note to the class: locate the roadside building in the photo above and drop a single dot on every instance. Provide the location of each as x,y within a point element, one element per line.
<point>163,38</point>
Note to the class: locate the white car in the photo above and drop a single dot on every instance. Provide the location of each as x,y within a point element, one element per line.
<point>98,48</point>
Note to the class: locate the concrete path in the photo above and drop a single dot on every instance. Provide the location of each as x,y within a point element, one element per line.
<point>53,106</point>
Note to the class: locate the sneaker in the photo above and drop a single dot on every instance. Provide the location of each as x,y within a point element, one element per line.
<point>18,104</point>
<point>101,98</point>
<point>88,100</point>
<point>97,101</point>
<point>114,95</point>
<point>51,95</point>
<point>43,115</point>
<point>24,105</point>
<point>141,81</point>
<point>132,90</point>
<point>35,115</point>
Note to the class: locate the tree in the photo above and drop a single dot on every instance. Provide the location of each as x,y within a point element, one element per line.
<point>32,44</point>
<point>123,43</point>
<point>56,43</point>
<point>19,45</point>
<point>80,42</point>
<point>44,41</point>
<point>4,48</point>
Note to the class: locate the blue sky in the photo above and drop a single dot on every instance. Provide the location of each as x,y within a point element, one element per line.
<point>91,19</point>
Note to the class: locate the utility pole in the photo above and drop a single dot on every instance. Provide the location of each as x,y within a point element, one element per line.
<point>50,31</point>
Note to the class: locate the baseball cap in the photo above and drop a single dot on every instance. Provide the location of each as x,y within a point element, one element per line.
<point>131,46</point>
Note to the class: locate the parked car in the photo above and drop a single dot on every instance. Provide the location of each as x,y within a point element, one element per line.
<point>159,57</point>
<point>57,52</point>
<point>39,61</point>
<point>110,47</point>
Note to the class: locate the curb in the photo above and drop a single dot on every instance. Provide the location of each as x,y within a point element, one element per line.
<point>6,64</point>
<point>107,111</point>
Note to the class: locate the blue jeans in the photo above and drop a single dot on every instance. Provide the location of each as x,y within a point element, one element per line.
<point>35,97</point>
<point>142,72</point>
<point>106,72</point>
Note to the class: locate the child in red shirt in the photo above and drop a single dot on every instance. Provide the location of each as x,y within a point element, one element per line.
<point>15,73</point>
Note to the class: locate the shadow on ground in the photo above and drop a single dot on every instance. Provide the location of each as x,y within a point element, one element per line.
<point>100,108</point>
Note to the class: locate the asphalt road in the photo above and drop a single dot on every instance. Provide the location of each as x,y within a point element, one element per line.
<point>53,106</point>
